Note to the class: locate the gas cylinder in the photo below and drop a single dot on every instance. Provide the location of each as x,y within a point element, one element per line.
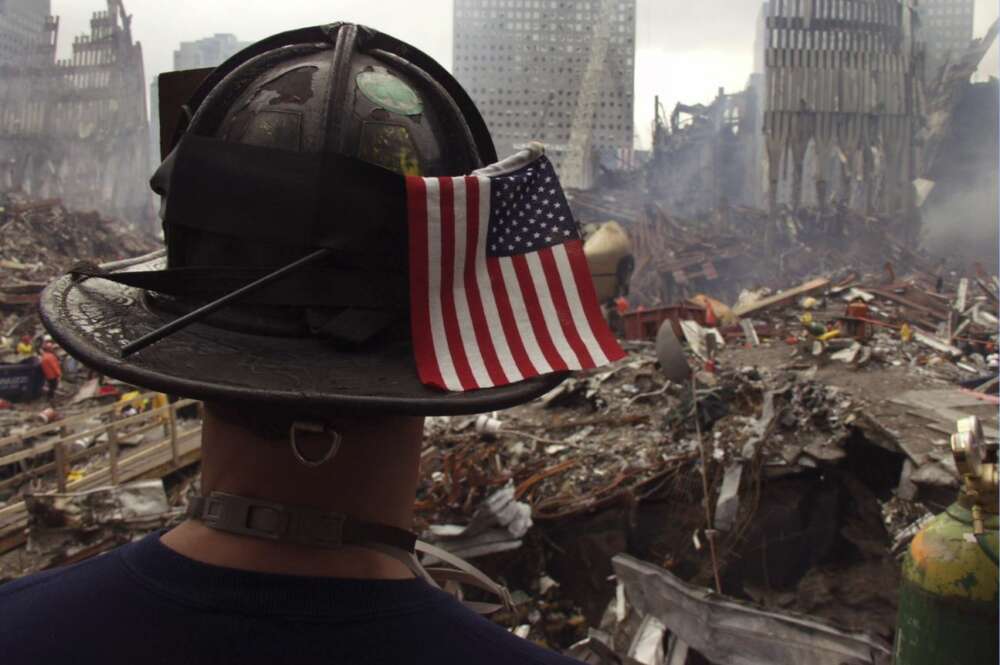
<point>949,595</point>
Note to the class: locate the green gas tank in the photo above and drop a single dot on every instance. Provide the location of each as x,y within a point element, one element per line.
<point>950,591</point>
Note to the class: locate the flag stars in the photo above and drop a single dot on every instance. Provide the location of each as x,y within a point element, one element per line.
<point>527,212</point>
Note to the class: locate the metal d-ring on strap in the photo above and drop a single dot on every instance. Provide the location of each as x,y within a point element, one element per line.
<point>314,428</point>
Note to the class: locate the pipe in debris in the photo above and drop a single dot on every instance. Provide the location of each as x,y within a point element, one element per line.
<point>710,527</point>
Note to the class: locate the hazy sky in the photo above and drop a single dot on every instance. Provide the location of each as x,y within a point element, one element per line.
<point>686,49</point>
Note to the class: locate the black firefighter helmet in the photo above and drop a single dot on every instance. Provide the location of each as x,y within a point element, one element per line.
<point>293,145</point>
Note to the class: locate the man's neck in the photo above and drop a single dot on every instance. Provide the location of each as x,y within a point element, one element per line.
<point>371,478</point>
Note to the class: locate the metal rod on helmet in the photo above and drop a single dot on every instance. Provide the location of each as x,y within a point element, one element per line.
<point>205,310</point>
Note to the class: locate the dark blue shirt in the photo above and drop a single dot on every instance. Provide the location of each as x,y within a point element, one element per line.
<point>145,603</point>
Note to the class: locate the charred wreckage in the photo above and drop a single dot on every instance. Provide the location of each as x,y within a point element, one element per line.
<point>806,387</point>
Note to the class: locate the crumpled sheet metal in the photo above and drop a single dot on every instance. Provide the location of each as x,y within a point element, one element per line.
<point>62,525</point>
<point>103,505</point>
<point>729,632</point>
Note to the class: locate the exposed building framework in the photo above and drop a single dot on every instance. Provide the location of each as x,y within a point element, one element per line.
<point>844,96</point>
<point>705,155</point>
<point>77,129</point>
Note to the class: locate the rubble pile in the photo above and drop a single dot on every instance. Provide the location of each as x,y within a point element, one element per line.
<point>806,486</point>
<point>736,247</point>
<point>39,240</point>
<point>948,333</point>
<point>784,474</point>
<point>66,528</point>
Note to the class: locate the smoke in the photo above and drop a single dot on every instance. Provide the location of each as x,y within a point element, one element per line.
<point>962,225</point>
<point>961,214</point>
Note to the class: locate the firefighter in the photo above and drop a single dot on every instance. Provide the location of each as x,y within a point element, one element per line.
<point>299,547</point>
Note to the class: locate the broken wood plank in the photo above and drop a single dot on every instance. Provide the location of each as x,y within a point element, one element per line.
<point>780,298</point>
<point>896,298</point>
<point>61,467</point>
<point>962,296</point>
<point>937,344</point>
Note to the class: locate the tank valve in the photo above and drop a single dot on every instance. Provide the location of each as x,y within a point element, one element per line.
<point>979,475</point>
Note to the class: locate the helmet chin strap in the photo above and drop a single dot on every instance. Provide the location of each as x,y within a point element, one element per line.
<point>299,525</point>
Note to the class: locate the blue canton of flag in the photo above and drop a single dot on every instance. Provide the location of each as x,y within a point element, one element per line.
<point>528,211</point>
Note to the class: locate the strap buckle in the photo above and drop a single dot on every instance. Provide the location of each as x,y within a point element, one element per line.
<point>269,520</point>
<point>245,516</point>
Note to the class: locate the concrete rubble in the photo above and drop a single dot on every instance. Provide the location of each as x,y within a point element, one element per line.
<point>822,454</point>
<point>64,528</point>
<point>821,467</point>
<point>741,487</point>
<point>40,240</point>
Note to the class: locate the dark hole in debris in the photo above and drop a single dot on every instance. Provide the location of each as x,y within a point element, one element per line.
<point>873,465</point>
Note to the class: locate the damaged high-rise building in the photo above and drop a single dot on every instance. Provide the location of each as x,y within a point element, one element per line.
<point>946,28</point>
<point>843,101</point>
<point>23,29</point>
<point>552,71</point>
<point>77,129</point>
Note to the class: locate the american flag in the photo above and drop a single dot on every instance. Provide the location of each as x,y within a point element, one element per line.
<point>500,290</point>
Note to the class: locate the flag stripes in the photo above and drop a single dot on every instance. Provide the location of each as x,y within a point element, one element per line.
<point>481,321</point>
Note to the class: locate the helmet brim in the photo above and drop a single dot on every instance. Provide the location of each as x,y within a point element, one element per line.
<point>95,318</point>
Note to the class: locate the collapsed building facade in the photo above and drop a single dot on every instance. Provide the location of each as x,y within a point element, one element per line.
<point>838,95</point>
<point>843,97</point>
<point>706,155</point>
<point>840,152</point>
<point>77,129</point>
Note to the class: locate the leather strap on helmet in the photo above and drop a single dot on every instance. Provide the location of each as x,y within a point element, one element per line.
<point>274,196</point>
<point>317,287</point>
